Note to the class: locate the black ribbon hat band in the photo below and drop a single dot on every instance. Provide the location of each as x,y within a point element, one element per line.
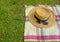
<point>41,21</point>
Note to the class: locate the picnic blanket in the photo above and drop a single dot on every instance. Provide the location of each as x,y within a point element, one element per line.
<point>35,34</point>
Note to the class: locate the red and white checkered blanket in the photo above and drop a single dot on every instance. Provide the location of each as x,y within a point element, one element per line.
<point>34,34</point>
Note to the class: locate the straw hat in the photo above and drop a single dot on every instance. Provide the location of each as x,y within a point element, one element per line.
<point>41,17</point>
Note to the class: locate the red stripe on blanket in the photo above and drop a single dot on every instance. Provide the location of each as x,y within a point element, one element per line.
<point>57,17</point>
<point>39,37</point>
<point>37,32</point>
<point>26,16</point>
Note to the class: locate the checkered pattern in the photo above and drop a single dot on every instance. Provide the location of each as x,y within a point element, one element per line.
<point>34,34</point>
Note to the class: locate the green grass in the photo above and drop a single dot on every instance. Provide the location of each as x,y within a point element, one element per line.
<point>42,2</point>
<point>12,18</point>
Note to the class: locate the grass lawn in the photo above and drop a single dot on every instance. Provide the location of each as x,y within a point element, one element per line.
<point>45,2</point>
<point>12,18</point>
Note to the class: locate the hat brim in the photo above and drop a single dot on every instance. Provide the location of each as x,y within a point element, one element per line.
<point>32,19</point>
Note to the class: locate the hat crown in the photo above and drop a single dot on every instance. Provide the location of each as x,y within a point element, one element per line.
<point>39,13</point>
<point>42,13</point>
